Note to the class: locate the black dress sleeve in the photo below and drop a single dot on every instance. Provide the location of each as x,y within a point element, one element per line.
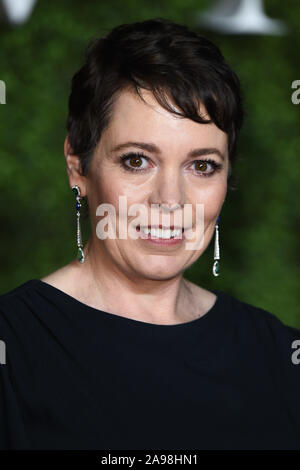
<point>287,361</point>
<point>292,371</point>
<point>3,434</point>
<point>12,432</point>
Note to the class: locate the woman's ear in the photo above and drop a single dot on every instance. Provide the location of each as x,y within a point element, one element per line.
<point>67,147</point>
<point>74,170</point>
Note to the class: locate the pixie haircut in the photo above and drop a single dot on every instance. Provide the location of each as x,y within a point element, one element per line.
<point>176,64</point>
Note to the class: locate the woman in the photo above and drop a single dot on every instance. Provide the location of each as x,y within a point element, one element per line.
<point>117,350</point>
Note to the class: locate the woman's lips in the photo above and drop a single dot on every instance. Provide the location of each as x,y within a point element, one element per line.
<point>158,230</point>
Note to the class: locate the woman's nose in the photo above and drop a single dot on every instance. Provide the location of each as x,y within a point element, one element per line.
<point>168,189</point>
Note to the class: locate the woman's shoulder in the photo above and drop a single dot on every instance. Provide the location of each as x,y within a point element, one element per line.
<point>263,334</point>
<point>58,279</point>
<point>12,295</point>
<point>259,326</point>
<point>16,300</point>
<point>247,317</point>
<point>21,305</point>
<point>245,308</point>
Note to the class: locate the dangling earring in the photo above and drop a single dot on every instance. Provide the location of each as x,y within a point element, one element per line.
<point>80,254</point>
<point>216,266</point>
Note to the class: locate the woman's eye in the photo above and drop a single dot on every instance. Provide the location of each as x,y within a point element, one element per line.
<point>201,166</point>
<point>134,162</point>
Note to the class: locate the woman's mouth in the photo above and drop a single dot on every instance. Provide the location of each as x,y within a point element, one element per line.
<point>161,235</point>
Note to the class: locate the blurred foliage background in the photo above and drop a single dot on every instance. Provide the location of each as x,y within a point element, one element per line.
<point>260,220</point>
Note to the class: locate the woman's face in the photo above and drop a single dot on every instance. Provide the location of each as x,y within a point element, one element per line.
<point>166,172</point>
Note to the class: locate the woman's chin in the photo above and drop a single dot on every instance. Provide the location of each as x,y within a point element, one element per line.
<point>159,269</point>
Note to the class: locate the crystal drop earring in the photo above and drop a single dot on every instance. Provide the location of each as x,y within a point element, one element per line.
<point>216,266</point>
<point>80,253</point>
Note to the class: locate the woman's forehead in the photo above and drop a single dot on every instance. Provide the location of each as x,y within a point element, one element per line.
<point>135,118</point>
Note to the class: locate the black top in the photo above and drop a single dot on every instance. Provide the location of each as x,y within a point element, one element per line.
<point>77,377</point>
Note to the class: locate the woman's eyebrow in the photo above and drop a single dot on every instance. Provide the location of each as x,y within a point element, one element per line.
<point>198,152</point>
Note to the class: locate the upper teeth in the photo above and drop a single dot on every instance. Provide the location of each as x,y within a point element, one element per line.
<point>161,233</point>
